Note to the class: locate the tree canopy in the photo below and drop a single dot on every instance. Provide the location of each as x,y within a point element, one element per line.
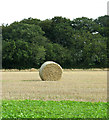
<point>78,43</point>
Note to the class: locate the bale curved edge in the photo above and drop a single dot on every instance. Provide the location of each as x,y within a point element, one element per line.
<point>50,71</point>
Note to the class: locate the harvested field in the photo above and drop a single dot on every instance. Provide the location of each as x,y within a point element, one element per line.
<point>74,85</point>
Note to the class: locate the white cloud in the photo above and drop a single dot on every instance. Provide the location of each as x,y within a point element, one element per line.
<point>16,10</point>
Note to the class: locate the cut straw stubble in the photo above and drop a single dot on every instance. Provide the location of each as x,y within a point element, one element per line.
<point>50,71</point>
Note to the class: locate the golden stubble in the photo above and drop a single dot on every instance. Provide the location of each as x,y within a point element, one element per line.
<point>74,85</point>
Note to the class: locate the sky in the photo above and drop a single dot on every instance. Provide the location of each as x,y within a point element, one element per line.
<point>108,8</point>
<point>17,10</point>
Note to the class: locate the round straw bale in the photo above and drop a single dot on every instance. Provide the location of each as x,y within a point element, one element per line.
<point>50,71</point>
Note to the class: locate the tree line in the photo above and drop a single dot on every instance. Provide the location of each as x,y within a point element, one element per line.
<point>77,43</point>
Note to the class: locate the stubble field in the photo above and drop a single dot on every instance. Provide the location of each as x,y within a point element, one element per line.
<point>74,85</point>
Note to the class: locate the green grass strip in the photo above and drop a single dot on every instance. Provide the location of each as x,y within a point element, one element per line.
<point>53,109</point>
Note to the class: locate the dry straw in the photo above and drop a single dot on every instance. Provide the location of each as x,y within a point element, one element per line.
<point>50,71</point>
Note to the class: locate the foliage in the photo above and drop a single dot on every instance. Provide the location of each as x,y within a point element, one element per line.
<point>23,46</point>
<point>0,47</point>
<point>78,43</point>
<point>53,109</point>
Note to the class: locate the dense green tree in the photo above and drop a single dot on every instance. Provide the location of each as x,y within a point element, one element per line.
<point>31,21</point>
<point>94,51</point>
<point>20,54</point>
<point>26,32</point>
<point>36,55</point>
<point>59,54</point>
<point>46,26</point>
<point>0,47</point>
<point>61,31</point>
<point>103,21</point>
<point>85,23</point>
<point>23,45</point>
<point>58,30</point>
<point>8,52</point>
<point>88,49</point>
<point>79,43</point>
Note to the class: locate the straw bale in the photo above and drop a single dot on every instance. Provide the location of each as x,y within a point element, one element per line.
<point>50,71</point>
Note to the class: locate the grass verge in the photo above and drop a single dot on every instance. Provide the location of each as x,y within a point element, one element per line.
<point>53,109</point>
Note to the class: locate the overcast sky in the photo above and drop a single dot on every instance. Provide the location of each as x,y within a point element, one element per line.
<point>16,10</point>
